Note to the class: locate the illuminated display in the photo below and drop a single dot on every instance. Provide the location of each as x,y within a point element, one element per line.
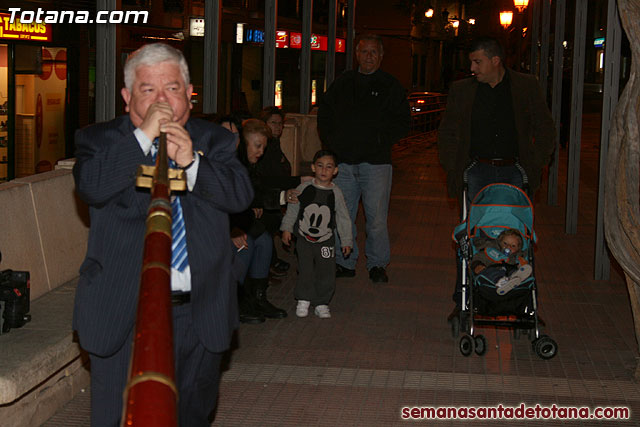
<point>254,36</point>
<point>288,39</point>
<point>18,31</point>
<point>196,27</point>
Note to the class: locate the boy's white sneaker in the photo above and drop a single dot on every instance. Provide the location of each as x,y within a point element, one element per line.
<point>322,311</point>
<point>302,309</point>
<point>515,279</point>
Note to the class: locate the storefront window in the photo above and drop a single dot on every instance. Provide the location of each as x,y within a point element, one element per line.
<point>39,112</point>
<point>4,118</point>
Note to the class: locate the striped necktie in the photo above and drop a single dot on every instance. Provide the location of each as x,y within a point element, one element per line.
<point>179,256</point>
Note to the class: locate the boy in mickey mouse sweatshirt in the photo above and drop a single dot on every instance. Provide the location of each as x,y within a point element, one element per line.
<point>320,211</point>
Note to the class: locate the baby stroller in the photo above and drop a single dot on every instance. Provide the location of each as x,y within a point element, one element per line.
<point>495,208</point>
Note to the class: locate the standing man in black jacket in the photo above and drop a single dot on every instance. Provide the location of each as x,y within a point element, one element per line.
<point>361,116</point>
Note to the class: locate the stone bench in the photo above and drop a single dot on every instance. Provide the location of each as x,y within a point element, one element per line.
<point>45,231</point>
<point>42,365</point>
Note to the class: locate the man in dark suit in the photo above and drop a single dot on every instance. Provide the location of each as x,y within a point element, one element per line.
<point>496,128</point>
<point>157,95</point>
<point>496,120</point>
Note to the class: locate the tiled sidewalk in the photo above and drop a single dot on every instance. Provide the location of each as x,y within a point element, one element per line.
<point>389,346</point>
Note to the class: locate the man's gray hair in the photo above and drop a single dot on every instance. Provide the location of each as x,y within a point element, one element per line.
<point>153,54</point>
<point>371,37</point>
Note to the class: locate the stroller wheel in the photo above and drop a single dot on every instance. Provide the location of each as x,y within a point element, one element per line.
<point>545,347</point>
<point>466,345</point>
<point>481,345</point>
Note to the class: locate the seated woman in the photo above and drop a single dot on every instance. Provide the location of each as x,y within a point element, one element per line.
<point>250,234</point>
<point>275,168</point>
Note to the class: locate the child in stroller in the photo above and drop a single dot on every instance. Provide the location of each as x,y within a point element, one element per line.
<point>494,253</point>
<point>498,289</point>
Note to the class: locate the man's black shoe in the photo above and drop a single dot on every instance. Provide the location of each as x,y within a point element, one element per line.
<point>378,275</point>
<point>344,272</point>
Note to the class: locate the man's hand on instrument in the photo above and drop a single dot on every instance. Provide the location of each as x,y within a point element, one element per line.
<point>157,114</point>
<point>179,144</point>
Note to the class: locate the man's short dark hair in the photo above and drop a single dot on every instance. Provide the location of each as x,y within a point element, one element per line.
<point>490,46</point>
<point>372,37</point>
<point>322,153</point>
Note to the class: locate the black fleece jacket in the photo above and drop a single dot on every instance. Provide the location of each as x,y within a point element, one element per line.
<point>362,115</point>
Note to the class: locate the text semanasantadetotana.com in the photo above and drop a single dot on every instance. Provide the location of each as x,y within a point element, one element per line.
<point>515,412</point>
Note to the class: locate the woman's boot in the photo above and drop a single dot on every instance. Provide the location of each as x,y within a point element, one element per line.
<point>247,307</point>
<point>259,288</point>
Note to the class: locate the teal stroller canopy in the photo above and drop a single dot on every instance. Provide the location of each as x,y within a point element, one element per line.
<point>494,209</point>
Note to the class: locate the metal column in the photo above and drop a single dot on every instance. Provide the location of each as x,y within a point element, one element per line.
<point>330,63</point>
<point>573,178</point>
<point>544,50</point>
<point>609,102</point>
<point>212,27</point>
<point>535,36</point>
<point>351,33</point>
<point>556,99</point>
<point>269,53</point>
<point>305,57</point>
<point>105,66</point>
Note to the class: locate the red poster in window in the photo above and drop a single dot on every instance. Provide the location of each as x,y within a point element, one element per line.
<point>318,42</point>
<point>341,45</point>
<point>60,64</point>
<point>47,64</point>
<point>282,39</point>
<point>295,40</point>
<point>39,120</point>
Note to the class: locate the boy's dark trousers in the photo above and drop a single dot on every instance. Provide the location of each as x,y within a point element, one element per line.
<point>316,271</point>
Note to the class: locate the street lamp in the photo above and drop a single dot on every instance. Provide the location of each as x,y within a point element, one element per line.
<point>520,5</point>
<point>429,13</point>
<point>505,18</point>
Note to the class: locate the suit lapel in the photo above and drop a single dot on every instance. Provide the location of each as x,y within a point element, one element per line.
<point>520,101</point>
<point>469,94</point>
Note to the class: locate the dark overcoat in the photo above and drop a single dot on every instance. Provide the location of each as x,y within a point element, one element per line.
<point>534,124</point>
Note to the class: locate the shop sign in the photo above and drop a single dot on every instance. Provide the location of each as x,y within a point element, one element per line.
<point>282,39</point>
<point>317,42</point>
<point>295,40</point>
<point>196,27</point>
<point>254,36</point>
<point>21,32</point>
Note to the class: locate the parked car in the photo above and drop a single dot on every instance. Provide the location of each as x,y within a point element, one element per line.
<point>426,101</point>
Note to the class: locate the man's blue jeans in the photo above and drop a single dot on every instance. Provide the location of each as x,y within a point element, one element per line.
<point>481,174</point>
<point>256,259</point>
<point>372,183</point>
